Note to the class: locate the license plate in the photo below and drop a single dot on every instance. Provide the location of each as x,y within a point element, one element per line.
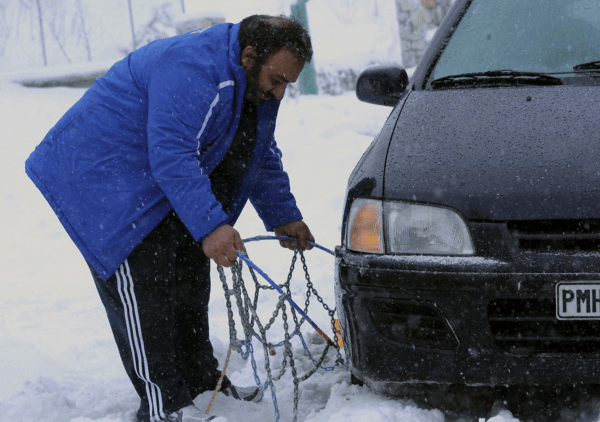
<point>578,300</point>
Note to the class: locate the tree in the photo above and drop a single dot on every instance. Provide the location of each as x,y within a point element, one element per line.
<point>56,23</point>
<point>42,37</point>
<point>78,26</point>
<point>5,26</point>
<point>159,26</point>
<point>132,25</point>
<point>348,11</point>
<point>82,29</point>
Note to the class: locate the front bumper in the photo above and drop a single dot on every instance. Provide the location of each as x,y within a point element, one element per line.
<point>473,321</point>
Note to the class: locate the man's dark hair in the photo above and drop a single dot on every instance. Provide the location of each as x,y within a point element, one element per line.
<point>269,34</point>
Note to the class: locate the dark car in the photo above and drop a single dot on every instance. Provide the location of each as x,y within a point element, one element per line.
<point>471,232</point>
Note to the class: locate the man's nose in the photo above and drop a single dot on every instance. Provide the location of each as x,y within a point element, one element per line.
<point>278,92</point>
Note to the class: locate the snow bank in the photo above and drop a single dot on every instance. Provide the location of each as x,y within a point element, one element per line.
<point>78,75</point>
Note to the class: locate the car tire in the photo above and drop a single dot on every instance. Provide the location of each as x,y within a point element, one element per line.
<point>354,380</point>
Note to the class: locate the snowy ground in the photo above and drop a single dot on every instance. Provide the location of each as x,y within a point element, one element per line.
<point>58,361</point>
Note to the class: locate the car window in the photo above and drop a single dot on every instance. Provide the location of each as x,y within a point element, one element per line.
<point>523,35</point>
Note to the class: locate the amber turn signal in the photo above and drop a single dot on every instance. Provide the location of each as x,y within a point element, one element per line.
<point>365,229</point>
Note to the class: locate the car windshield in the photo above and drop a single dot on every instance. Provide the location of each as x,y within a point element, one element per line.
<point>533,35</point>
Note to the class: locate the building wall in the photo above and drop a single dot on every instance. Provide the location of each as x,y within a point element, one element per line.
<point>415,19</point>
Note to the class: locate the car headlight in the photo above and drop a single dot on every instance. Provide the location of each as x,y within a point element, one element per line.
<point>400,227</point>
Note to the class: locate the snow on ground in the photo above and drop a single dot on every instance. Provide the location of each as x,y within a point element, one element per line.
<point>58,359</point>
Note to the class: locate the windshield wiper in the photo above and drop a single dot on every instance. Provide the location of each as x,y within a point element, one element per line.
<point>495,77</point>
<point>595,65</point>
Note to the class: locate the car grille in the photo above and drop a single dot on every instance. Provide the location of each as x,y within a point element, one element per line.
<point>523,326</point>
<point>556,235</point>
<point>410,322</point>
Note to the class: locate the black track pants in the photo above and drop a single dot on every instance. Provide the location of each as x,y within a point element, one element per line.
<point>157,306</point>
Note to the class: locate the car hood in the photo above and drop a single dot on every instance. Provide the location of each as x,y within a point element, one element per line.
<point>499,153</point>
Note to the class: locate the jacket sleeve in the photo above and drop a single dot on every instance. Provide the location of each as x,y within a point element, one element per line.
<point>182,95</point>
<point>271,196</point>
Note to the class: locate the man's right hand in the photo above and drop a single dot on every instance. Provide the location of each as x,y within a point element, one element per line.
<point>222,245</point>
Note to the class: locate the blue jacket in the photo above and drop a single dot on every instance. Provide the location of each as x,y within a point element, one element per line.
<point>129,151</point>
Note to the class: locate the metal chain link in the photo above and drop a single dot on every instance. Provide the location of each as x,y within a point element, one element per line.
<point>330,311</point>
<point>247,310</point>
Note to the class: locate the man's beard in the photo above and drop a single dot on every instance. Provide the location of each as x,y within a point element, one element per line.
<point>253,91</point>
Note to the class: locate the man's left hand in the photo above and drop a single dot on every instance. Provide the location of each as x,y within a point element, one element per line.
<point>298,230</point>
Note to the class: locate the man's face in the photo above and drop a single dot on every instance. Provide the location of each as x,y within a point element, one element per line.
<point>270,79</point>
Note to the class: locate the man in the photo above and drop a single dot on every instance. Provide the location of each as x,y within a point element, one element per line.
<point>148,173</point>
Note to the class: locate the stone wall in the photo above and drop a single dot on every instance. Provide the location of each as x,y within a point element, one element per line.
<point>415,19</point>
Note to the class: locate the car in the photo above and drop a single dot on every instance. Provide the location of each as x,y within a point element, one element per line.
<point>470,250</point>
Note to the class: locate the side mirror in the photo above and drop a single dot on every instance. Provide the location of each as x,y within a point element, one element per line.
<point>381,85</point>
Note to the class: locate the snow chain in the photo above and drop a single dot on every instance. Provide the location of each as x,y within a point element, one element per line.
<point>251,324</point>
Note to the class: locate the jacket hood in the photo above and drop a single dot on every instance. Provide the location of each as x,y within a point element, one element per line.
<point>500,153</point>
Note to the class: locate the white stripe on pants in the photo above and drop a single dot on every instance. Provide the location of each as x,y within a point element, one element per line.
<point>136,341</point>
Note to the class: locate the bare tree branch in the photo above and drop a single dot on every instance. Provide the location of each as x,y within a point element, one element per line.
<point>347,10</point>
<point>42,38</point>
<point>132,24</point>
<point>84,30</point>
<point>5,27</point>
<point>57,26</point>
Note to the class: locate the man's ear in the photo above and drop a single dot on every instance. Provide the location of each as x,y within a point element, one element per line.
<point>248,57</point>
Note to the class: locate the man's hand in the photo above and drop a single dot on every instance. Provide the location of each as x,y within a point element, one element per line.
<point>222,245</point>
<point>297,230</point>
